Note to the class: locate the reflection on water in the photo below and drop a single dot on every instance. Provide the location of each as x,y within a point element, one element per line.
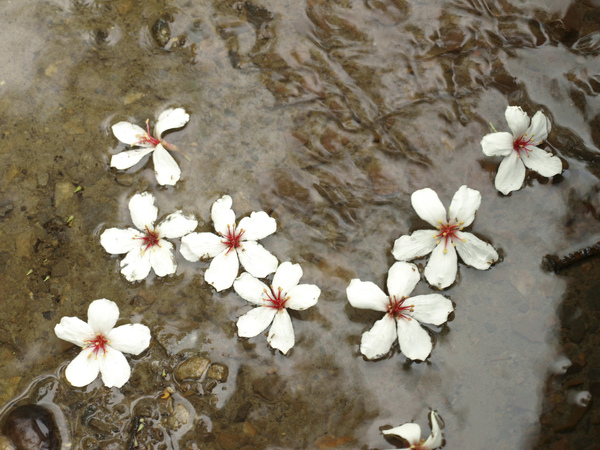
<point>327,115</point>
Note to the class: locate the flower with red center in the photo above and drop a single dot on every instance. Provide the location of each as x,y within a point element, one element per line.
<point>102,345</point>
<point>411,433</point>
<point>448,238</point>
<point>403,314</point>
<point>273,302</point>
<point>232,245</point>
<point>165,167</point>
<point>520,150</point>
<point>147,247</point>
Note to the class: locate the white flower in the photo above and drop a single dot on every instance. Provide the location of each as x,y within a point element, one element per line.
<point>519,149</point>
<point>166,169</point>
<point>285,292</point>
<point>147,248</point>
<point>448,238</point>
<point>402,313</point>
<point>230,244</point>
<point>102,345</point>
<point>411,432</point>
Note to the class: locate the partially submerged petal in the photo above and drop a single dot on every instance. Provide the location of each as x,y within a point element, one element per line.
<point>303,296</point>
<point>129,158</point>
<point>419,243</point>
<point>475,252</point>
<point>410,432</point>
<point>128,133</point>
<point>255,321</point>
<point>402,279</point>
<point>83,369</point>
<point>222,215</point>
<point>287,276</point>
<point>281,334</point>
<point>497,144</point>
<point>222,270</point>
<point>74,330</point>
<point>428,206</point>
<point>170,119</point>
<point>441,268</point>
<point>544,163</point>
<point>257,226</point>
<point>435,440</point>
<point>114,368</point>
<point>116,241</point>
<point>367,295</point>
<point>166,169</point>
<point>103,315</point>
<point>143,211</point>
<point>465,204</point>
<point>133,338</point>
<point>431,308</point>
<point>540,127</point>
<point>176,225</point>
<point>256,259</point>
<point>250,288</point>
<point>414,341</point>
<point>195,246</point>
<point>162,259</point>
<point>511,174</point>
<point>136,265</point>
<point>377,342</point>
<point>517,119</point>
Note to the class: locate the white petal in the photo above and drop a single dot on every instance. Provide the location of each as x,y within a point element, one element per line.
<point>303,296</point>
<point>132,338</point>
<point>441,268</point>
<point>517,119</point>
<point>250,288</point>
<point>281,335</point>
<point>428,206</point>
<point>414,341</point>
<point>83,369</point>
<point>367,295</point>
<point>435,440</point>
<point>114,368</point>
<point>511,174</point>
<point>377,342</point>
<point>116,241</point>
<point>255,321</point>
<point>497,144</point>
<point>432,308</point>
<point>465,204</point>
<point>540,127</point>
<point>129,158</point>
<point>222,215</point>
<point>287,276</point>
<point>402,279</point>
<point>162,259</point>
<point>128,133</point>
<point>222,270</point>
<point>136,265</point>
<point>410,432</point>
<point>74,330</point>
<point>419,243</point>
<point>176,225</point>
<point>258,226</point>
<point>256,259</point>
<point>196,246</point>
<point>170,119</point>
<point>474,252</point>
<point>103,315</point>
<point>142,209</point>
<point>542,162</point>
<point>165,167</point>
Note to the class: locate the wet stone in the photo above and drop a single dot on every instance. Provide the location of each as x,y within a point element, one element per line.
<point>32,427</point>
<point>5,208</point>
<point>124,179</point>
<point>218,372</point>
<point>193,368</point>
<point>179,418</point>
<point>161,32</point>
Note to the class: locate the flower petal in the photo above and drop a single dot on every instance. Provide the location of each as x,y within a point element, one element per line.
<point>517,119</point>
<point>419,243</point>
<point>166,169</point>
<point>133,338</point>
<point>377,342</point>
<point>74,330</point>
<point>222,215</point>
<point>410,432</point>
<point>474,252</point>
<point>464,206</point>
<point>222,270</point>
<point>136,265</point>
<point>128,133</point>
<point>170,119</point>
<point>497,144</point>
<point>176,225</point>
<point>281,335</point>
<point>114,368</point>
<point>414,341</point>
<point>257,226</point>
<point>441,268</point>
<point>540,127</point>
<point>287,276</point>
<point>256,259</point>
<point>367,295</point>
<point>250,288</point>
<point>255,321</point>
<point>142,209</point>
<point>402,279</point>
<point>511,174</point>
<point>542,162</point>
<point>103,315</point>
<point>436,438</point>
<point>116,241</point>
<point>129,158</point>
<point>303,296</point>
<point>162,259</point>
<point>196,246</point>
<point>432,308</point>
<point>83,369</point>
<point>428,206</point>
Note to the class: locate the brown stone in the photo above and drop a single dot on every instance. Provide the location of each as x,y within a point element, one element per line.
<point>218,372</point>
<point>193,368</point>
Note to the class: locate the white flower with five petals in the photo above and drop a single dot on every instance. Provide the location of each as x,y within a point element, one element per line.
<point>448,238</point>
<point>232,245</point>
<point>520,149</point>
<point>103,345</point>
<point>285,292</point>
<point>402,313</point>
<point>411,433</point>
<point>165,167</point>
<point>146,247</point>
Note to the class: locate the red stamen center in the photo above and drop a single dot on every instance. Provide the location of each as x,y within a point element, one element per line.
<point>97,344</point>
<point>233,238</point>
<point>150,238</point>
<point>522,143</point>
<point>397,308</point>
<point>275,299</point>
<point>147,138</point>
<point>447,232</point>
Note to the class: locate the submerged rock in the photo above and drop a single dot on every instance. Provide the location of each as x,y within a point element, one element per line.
<point>161,32</point>
<point>193,368</point>
<point>32,427</point>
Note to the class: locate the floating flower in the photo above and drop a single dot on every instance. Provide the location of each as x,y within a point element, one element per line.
<point>102,345</point>
<point>165,167</point>
<point>449,237</point>
<point>232,245</point>
<point>411,432</point>
<point>402,313</point>
<point>519,149</point>
<point>285,292</point>
<point>147,248</point>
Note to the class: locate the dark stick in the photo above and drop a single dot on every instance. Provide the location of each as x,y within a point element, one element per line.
<point>556,264</point>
